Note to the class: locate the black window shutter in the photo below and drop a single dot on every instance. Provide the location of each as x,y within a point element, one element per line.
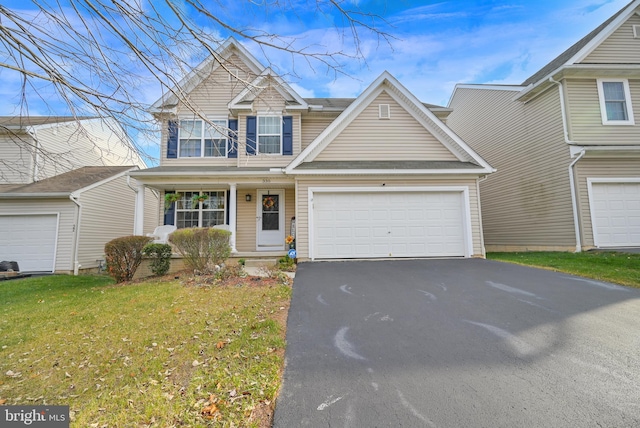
<point>233,138</point>
<point>251,135</point>
<point>170,214</point>
<point>287,135</point>
<point>172,141</point>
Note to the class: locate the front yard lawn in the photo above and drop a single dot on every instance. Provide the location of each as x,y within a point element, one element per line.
<point>618,268</point>
<point>154,353</point>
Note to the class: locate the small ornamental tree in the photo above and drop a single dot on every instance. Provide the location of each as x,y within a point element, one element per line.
<point>202,247</point>
<point>160,255</point>
<point>124,255</point>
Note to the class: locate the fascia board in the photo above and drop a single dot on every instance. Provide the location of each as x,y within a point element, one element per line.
<point>101,182</point>
<point>54,195</point>
<point>140,175</point>
<point>281,86</point>
<point>199,73</point>
<point>391,171</point>
<point>606,32</point>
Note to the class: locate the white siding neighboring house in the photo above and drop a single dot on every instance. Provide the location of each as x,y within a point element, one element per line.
<point>566,144</point>
<point>379,176</point>
<point>61,224</point>
<point>37,147</point>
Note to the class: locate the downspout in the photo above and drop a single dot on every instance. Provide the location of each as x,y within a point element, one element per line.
<point>572,184</point>
<point>36,156</point>
<point>76,264</point>
<point>478,181</point>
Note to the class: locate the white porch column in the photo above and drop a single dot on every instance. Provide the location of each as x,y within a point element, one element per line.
<point>233,198</point>
<point>138,227</point>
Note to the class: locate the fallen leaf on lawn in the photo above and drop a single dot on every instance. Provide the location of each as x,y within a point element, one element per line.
<point>2,401</point>
<point>13,374</point>
<point>67,374</point>
<point>210,411</point>
<point>220,345</point>
<point>195,363</point>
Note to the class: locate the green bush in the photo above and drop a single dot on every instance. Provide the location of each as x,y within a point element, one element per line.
<point>202,247</point>
<point>124,255</point>
<point>160,255</point>
<point>286,263</point>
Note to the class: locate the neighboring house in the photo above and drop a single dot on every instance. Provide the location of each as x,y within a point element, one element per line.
<point>566,145</point>
<point>61,224</point>
<point>378,176</point>
<point>36,147</point>
<point>64,191</point>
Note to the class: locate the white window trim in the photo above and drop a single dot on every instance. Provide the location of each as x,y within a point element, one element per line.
<point>628,103</point>
<point>202,138</point>
<point>199,207</point>
<point>258,135</point>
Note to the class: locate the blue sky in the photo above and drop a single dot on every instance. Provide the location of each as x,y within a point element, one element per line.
<point>433,44</point>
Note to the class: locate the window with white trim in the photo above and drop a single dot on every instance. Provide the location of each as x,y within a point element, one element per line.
<point>198,138</point>
<point>206,212</point>
<point>269,135</point>
<point>615,102</point>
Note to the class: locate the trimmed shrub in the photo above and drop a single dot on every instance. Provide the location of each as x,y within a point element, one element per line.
<point>202,247</point>
<point>160,255</point>
<point>124,255</point>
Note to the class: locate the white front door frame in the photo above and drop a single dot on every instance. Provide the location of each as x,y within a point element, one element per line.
<point>270,240</point>
<point>464,190</point>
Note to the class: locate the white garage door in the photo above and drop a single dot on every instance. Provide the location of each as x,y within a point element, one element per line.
<point>29,240</point>
<point>615,214</point>
<point>388,224</point>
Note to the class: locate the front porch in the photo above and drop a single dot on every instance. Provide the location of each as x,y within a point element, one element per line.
<point>258,208</point>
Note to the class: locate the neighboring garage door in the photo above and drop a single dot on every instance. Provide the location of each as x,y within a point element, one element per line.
<point>29,240</point>
<point>615,213</point>
<point>388,224</point>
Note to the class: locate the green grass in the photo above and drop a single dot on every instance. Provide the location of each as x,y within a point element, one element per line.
<point>618,268</point>
<point>150,353</point>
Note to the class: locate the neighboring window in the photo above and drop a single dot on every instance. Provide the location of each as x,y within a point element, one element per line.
<point>615,102</point>
<point>270,135</point>
<point>208,213</point>
<point>202,139</point>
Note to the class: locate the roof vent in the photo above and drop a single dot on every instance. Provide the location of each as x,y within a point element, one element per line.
<point>384,111</point>
<point>234,74</point>
<point>636,31</point>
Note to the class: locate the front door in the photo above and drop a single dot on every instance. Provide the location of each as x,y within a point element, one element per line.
<point>270,218</point>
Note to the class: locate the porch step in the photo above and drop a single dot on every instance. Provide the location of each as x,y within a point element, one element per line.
<point>258,263</point>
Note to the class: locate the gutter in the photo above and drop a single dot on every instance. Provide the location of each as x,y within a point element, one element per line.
<point>76,264</point>
<point>571,170</point>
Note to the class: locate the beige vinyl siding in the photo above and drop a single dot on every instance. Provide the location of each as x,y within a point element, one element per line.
<point>599,168</point>
<point>263,160</point>
<point>302,218</point>
<point>401,137</point>
<point>583,109</point>
<point>152,217</point>
<point>247,217</point>
<point>108,212</point>
<point>619,48</point>
<point>16,158</point>
<point>66,223</point>
<point>526,204</point>
<point>313,125</point>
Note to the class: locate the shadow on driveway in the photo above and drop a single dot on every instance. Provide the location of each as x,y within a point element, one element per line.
<point>453,343</point>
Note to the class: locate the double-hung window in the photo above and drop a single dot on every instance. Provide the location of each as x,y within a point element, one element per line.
<point>615,102</point>
<point>199,138</point>
<point>207,212</point>
<point>270,135</point>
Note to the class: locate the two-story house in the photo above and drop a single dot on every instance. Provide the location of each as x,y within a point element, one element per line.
<point>566,144</point>
<point>377,176</point>
<point>61,181</point>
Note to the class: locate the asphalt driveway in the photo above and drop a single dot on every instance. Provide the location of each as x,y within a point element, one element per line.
<point>458,343</point>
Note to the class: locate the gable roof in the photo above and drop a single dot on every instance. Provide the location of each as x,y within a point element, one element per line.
<point>63,185</point>
<point>386,82</point>
<point>581,49</point>
<point>22,122</point>
<point>204,70</point>
<point>249,94</point>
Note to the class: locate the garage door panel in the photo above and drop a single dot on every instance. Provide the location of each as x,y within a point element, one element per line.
<point>29,240</point>
<point>397,224</point>
<point>615,209</point>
